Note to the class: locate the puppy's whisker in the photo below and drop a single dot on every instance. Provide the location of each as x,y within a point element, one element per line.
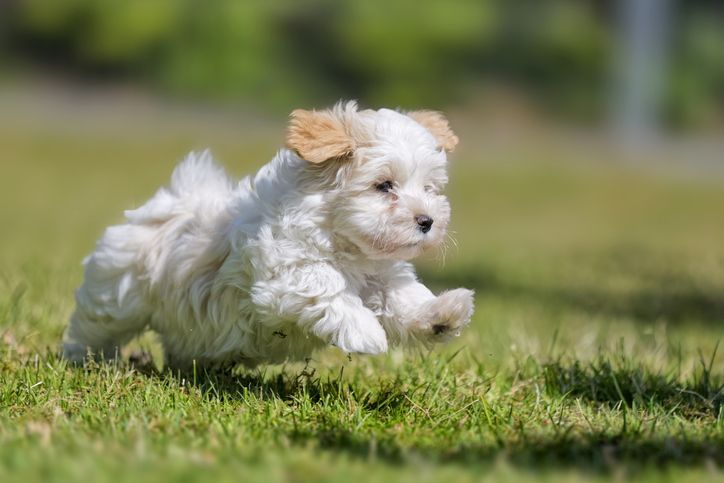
<point>450,236</point>
<point>442,252</point>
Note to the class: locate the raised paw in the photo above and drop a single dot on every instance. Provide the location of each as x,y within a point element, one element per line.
<point>447,315</point>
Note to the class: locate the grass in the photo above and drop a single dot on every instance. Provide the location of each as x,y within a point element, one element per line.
<point>592,353</point>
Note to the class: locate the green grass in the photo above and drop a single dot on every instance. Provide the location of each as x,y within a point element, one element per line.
<point>592,353</point>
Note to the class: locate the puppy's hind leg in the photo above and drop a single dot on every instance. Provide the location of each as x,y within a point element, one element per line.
<point>109,313</point>
<point>111,306</point>
<point>101,338</point>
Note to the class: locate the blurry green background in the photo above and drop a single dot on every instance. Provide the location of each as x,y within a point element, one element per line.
<point>285,53</point>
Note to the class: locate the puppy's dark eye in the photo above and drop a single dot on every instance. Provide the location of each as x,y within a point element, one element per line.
<point>384,187</point>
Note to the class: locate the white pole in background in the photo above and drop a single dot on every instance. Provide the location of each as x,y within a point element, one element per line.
<point>640,68</point>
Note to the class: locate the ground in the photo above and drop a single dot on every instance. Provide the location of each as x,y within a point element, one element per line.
<point>592,352</point>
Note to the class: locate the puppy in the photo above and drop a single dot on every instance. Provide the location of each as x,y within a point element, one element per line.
<point>310,251</point>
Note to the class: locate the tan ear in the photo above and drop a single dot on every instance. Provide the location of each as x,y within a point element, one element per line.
<point>318,136</point>
<point>437,124</point>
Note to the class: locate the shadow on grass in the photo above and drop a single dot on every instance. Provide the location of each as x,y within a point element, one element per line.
<point>583,447</point>
<point>590,452</point>
<point>601,381</point>
<point>579,446</point>
<point>285,386</point>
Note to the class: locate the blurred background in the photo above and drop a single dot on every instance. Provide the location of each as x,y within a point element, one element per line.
<point>587,191</point>
<point>639,62</point>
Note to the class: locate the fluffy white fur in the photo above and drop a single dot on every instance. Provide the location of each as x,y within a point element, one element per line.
<point>301,255</point>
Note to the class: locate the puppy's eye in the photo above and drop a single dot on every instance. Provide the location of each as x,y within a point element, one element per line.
<point>384,187</point>
<point>430,188</point>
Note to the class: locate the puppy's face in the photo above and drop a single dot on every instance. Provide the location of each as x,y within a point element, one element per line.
<point>384,172</point>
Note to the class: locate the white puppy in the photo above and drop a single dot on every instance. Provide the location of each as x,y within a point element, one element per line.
<point>312,250</point>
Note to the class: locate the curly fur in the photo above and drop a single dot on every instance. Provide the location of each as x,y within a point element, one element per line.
<point>303,254</point>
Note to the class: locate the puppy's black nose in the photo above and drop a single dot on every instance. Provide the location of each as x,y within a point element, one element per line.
<point>424,222</point>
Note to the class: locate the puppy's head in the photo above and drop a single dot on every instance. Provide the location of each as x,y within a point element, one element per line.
<point>383,173</point>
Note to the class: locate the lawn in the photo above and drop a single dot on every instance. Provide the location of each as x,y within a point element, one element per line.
<point>592,352</point>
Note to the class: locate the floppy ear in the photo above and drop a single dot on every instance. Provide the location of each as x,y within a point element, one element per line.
<point>437,124</point>
<point>317,136</point>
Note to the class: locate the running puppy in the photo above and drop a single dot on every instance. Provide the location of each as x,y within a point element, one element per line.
<point>312,250</point>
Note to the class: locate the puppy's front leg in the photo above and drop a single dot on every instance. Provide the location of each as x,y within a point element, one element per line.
<point>317,296</point>
<point>413,311</point>
<point>343,321</point>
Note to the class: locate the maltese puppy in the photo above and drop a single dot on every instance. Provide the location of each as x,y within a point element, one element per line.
<point>310,251</point>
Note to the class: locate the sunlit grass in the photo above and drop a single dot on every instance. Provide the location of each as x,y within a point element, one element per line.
<point>592,352</point>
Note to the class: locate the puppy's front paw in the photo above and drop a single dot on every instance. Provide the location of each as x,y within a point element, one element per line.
<point>447,315</point>
<point>363,336</point>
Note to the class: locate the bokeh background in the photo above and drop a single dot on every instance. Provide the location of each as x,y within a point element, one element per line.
<point>86,86</point>
<point>587,190</point>
<point>583,60</point>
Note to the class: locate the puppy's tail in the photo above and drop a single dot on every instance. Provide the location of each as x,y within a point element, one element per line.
<point>199,175</point>
<point>197,185</point>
